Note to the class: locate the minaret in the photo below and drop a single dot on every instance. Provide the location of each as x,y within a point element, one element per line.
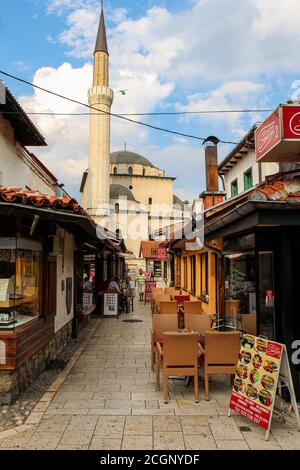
<point>101,97</point>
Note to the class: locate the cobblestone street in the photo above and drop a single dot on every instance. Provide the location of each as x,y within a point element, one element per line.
<point>105,399</point>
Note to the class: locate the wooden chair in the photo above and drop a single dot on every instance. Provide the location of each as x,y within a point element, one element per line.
<point>156,291</point>
<point>161,323</point>
<point>248,323</point>
<point>193,307</point>
<point>170,290</point>
<point>221,355</point>
<point>160,298</point>
<point>179,357</point>
<point>168,307</point>
<point>198,323</point>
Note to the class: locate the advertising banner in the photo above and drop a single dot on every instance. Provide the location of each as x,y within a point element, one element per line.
<point>256,379</point>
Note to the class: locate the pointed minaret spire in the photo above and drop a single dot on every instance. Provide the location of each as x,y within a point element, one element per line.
<point>101,42</point>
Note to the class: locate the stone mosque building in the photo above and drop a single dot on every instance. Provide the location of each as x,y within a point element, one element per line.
<point>122,186</point>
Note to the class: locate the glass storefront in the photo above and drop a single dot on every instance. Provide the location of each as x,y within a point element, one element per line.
<point>89,279</point>
<point>249,285</point>
<point>240,290</point>
<point>20,281</point>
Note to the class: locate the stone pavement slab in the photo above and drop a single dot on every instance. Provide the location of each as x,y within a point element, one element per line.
<point>106,400</point>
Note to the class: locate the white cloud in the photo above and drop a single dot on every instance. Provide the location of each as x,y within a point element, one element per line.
<point>216,54</point>
<point>235,94</point>
<point>67,136</point>
<point>214,37</point>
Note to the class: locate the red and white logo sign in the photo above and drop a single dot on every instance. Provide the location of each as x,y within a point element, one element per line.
<point>291,122</point>
<point>274,350</point>
<point>267,135</point>
<point>162,254</point>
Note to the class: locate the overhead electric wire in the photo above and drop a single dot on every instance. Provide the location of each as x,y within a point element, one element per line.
<point>175,113</point>
<point>119,116</point>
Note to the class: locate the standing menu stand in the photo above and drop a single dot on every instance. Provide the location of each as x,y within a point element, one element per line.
<point>263,368</point>
<point>111,304</point>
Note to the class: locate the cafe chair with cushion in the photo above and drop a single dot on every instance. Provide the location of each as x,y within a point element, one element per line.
<point>161,323</point>
<point>178,355</point>
<point>168,307</point>
<point>198,323</point>
<point>193,307</point>
<point>248,323</point>
<point>221,355</point>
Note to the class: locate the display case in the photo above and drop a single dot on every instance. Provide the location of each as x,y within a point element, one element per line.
<point>20,281</point>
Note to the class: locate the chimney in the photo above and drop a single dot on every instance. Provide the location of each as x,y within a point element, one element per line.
<point>211,165</point>
<point>212,196</point>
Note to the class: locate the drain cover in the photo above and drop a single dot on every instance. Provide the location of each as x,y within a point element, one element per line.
<point>245,429</point>
<point>132,320</point>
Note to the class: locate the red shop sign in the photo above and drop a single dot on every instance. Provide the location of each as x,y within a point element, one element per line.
<point>278,138</point>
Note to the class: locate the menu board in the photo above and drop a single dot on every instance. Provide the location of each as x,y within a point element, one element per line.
<point>256,379</point>
<point>6,288</point>
<point>110,304</point>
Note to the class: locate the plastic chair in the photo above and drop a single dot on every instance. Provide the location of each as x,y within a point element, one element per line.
<point>193,307</point>
<point>161,323</point>
<point>179,357</point>
<point>221,355</point>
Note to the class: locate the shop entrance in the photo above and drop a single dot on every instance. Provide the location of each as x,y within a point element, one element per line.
<point>266,297</point>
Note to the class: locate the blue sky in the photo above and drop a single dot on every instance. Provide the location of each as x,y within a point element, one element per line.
<point>169,55</point>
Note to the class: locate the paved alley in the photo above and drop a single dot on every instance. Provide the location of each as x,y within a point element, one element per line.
<point>108,401</point>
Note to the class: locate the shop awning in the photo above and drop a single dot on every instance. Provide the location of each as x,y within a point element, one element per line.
<point>253,214</point>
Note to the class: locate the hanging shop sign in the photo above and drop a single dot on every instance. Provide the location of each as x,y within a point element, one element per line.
<point>277,139</point>
<point>149,285</point>
<point>263,366</point>
<point>161,254</point>
<point>111,307</point>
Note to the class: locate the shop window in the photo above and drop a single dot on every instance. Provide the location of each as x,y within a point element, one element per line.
<point>193,275</point>
<point>165,270</point>
<point>20,281</point>
<point>240,290</point>
<point>89,283</point>
<point>157,267</point>
<point>203,258</point>
<point>130,170</point>
<point>248,179</point>
<point>234,188</point>
<point>118,234</point>
<point>185,273</point>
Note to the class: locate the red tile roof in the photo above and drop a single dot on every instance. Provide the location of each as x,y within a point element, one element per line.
<point>279,188</point>
<point>37,199</point>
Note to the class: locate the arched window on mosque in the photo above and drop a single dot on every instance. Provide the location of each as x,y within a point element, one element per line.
<point>130,170</point>
<point>117,208</point>
<point>115,170</point>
